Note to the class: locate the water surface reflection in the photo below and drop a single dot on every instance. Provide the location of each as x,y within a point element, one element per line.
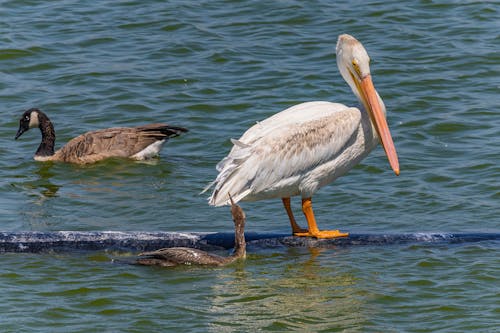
<point>301,295</point>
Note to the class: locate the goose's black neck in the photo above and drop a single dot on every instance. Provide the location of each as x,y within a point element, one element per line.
<point>46,147</point>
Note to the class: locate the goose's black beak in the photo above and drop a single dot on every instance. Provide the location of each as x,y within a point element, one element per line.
<point>20,132</point>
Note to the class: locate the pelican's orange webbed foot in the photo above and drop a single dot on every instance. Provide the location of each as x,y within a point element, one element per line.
<point>299,230</point>
<point>322,234</point>
<point>313,228</point>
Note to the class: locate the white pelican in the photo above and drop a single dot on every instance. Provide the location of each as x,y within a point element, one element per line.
<point>309,145</point>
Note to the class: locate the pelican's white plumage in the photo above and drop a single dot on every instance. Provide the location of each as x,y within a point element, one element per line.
<point>307,146</point>
<point>290,156</point>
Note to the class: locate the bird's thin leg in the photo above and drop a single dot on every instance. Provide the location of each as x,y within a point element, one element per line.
<point>313,228</point>
<point>295,227</point>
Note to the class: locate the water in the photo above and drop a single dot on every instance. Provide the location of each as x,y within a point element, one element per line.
<point>216,68</point>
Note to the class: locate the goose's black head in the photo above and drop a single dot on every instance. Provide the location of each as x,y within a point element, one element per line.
<point>28,120</point>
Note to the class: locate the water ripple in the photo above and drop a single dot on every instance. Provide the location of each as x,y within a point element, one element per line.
<point>217,68</point>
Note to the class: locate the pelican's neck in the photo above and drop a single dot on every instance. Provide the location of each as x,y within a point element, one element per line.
<point>46,147</point>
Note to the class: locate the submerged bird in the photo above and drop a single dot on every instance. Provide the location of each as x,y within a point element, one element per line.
<point>175,256</point>
<point>138,143</point>
<point>309,145</point>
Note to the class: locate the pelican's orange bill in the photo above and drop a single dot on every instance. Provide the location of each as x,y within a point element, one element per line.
<point>378,118</point>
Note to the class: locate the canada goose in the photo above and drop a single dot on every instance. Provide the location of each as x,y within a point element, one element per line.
<point>175,256</point>
<point>138,143</point>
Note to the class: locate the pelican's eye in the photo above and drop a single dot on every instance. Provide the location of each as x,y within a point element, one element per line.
<point>355,65</point>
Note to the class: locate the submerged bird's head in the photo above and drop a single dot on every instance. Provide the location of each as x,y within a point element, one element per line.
<point>354,65</point>
<point>28,120</point>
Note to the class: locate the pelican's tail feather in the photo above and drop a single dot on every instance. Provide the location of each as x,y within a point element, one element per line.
<point>231,179</point>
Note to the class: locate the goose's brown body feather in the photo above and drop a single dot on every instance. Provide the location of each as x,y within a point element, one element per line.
<point>123,142</point>
<point>175,256</point>
<point>139,143</point>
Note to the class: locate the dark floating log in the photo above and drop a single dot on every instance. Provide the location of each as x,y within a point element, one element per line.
<point>59,241</point>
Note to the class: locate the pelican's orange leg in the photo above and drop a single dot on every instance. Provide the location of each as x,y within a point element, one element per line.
<point>313,228</point>
<point>295,227</point>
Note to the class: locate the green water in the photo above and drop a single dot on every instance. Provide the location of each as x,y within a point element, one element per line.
<point>217,68</point>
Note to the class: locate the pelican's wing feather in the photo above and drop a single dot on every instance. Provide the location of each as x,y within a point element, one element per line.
<point>284,146</point>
